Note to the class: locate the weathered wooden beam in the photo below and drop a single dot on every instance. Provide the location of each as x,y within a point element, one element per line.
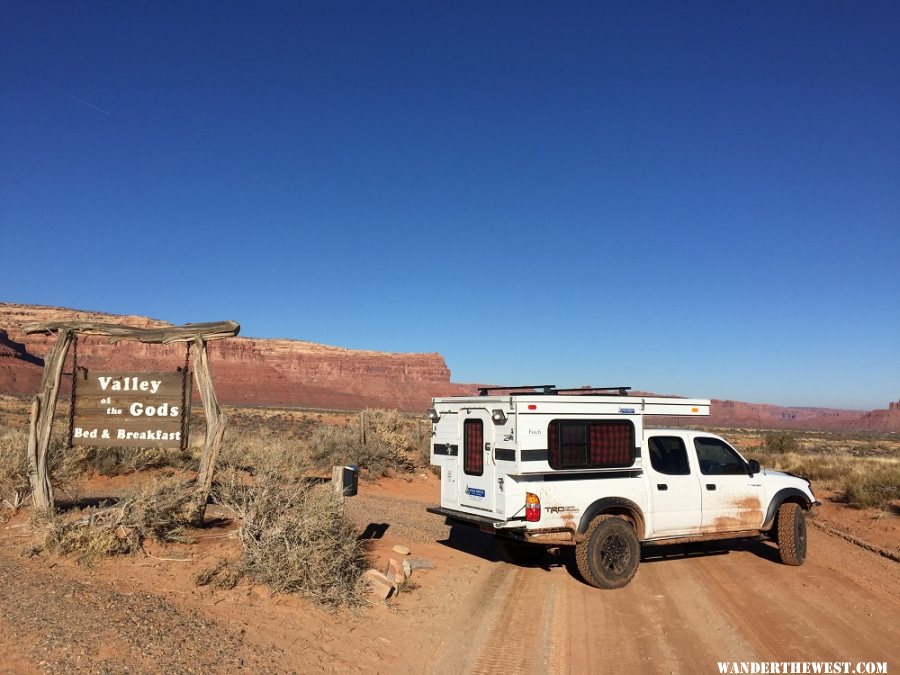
<point>215,429</point>
<point>115,332</point>
<point>42,410</point>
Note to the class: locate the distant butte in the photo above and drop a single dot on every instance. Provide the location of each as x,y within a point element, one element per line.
<point>265,372</point>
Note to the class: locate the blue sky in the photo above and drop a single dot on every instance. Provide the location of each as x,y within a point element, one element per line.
<point>694,198</point>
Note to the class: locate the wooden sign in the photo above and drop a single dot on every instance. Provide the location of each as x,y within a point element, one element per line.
<point>136,410</point>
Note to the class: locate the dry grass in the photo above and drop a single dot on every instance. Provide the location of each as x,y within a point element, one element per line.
<point>119,461</point>
<point>390,444</point>
<point>863,470</point>
<point>879,487</point>
<point>246,450</point>
<point>14,485</point>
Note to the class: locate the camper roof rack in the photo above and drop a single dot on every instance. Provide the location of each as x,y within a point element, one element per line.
<point>521,389</point>
<point>526,389</point>
<point>622,391</point>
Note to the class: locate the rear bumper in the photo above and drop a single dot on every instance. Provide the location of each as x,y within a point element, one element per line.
<point>508,529</point>
<point>458,517</point>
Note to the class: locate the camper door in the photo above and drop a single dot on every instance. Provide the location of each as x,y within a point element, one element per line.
<point>476,476</point>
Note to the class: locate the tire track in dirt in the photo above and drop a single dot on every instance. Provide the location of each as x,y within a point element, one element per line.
<point>682,615</point>
<point>815,612</point>
<point>466,637</point>
<point>521,638</point>
<point>663,621</point>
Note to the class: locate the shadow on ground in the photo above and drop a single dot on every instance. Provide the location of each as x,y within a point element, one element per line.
<point>475,542</point>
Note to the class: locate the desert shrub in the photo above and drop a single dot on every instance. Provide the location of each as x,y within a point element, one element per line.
<point>825,469</point>
<point>117,461</point>
<point>86,540</point>
<point>389,429</point>
<point>63,465</point>
<point>423,446</point>
<point>780,443</point>
<point>14,484</point>
<point>246,450</point>
<point>386,449</point>
<point>388,444</point>
<point>295,537</point>
<point>331,446</point>
<point>159,511</point>
<point>878,487</point>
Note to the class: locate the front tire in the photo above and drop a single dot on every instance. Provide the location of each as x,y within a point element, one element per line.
<point>609,554</point>
<point>791,534</point>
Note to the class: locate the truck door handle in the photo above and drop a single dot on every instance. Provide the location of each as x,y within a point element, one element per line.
<point>662,486</point>
<point>710,486</point>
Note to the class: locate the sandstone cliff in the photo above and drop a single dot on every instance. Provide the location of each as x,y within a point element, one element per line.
<point>246,371</point>
<point>251,371</point>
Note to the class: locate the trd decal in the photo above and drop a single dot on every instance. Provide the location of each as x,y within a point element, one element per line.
<point>562,509</point>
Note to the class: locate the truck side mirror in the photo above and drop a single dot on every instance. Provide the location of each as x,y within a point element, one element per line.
<point>753,467</point>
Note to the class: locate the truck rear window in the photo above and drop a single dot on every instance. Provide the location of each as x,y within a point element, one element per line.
<point>590,444</point>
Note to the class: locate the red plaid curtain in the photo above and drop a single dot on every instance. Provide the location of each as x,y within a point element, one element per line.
<point>575,444</point>
<point>612,444</point>
<point>473,447</point>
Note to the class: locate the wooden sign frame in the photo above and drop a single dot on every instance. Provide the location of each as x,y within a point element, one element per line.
<point>43,405</point>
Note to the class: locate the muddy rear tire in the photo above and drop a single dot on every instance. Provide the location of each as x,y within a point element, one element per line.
<point>520,553</point>
<point>791,534</point>
<point>609,554</point>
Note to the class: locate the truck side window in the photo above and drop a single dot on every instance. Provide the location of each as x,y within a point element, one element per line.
<point>590,444</point>
<point>473,447</point>
<point>668,455</point>
<point>716,457</point>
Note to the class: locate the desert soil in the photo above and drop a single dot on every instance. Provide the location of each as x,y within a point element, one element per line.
<point>686,609</point>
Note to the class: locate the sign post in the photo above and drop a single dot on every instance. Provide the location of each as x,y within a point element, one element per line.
<point>115,408</point>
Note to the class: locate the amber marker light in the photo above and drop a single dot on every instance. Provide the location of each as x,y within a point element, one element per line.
<point>532,507</point>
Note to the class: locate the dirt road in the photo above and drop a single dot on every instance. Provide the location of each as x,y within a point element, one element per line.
<point>685,612</point>
<point>686,609</point>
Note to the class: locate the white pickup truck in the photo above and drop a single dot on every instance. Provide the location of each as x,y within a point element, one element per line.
<point>548,468</point>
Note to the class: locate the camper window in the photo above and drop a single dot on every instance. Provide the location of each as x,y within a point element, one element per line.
<point>473,447</point>
<point>590,444</point>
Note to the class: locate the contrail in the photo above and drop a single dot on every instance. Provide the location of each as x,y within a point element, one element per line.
<point>89,105</point>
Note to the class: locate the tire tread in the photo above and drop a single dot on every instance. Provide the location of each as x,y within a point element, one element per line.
<point>788,549</point>
<point>583,554</point>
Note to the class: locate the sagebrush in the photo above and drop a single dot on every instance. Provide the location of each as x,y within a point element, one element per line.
<point>14,484</point>
<point>159,511</point>
<point>294,535</point>
<point>869,477</point>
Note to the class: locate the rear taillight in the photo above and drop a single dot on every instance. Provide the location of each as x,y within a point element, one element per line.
<point>532,507</point>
